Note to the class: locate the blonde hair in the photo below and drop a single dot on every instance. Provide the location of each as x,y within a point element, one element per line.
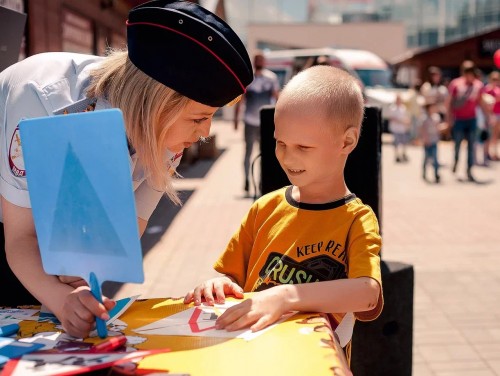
<point>149,109</point>
<point>327,91</point>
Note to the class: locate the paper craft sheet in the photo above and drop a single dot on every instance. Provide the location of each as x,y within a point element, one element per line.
<point>10,348</point>
<point>200,322</point>
<point>71,363</point>
<point>18,314</point>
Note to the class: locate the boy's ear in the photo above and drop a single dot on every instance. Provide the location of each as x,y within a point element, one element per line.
<point>351,137</point>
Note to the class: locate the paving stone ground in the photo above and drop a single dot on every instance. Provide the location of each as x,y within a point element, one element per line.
<point>449,232</point>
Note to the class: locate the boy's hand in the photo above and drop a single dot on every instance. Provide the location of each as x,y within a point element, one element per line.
<point>80,310</point>
<point>220,287</point>
<point>261,310</point>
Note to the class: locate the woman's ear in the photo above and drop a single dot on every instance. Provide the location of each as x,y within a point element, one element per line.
<point>351,137</point>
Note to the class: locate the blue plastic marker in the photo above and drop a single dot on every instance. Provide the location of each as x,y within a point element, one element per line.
<point>8,330</point>
<point>95,288</point>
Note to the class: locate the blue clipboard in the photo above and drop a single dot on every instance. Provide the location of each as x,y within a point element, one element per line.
<point>79,179</point>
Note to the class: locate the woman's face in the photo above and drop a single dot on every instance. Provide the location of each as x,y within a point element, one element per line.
<point>194,122</point>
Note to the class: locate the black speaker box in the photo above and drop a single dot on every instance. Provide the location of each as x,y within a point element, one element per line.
<point>272,175</point>
<point>383,347</point>
<point>363,174</point>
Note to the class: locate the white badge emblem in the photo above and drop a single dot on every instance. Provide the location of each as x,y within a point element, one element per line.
<point>16,161</point>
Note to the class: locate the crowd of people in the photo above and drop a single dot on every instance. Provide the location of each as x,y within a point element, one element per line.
<point>465,110</point>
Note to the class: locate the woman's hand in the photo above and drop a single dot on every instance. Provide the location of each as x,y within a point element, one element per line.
<point>261,310</point>
<point>220,287</point>
<point>72,281</point>
<point>80,309</point>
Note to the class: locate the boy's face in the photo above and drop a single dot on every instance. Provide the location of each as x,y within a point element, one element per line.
<point>310,150</point>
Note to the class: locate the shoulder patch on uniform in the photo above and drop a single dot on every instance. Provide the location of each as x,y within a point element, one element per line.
<point>16,160</point>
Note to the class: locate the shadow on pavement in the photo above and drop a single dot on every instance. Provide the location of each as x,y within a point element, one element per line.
<point>199,168</point>
<point>165,213</point>
<point>476,181</point>
<point>158,224</point>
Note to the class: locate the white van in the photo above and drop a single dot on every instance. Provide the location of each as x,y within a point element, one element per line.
<point>374,74</point>
<point>286,63</point>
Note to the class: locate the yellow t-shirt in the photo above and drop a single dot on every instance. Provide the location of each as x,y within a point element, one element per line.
<point>282,241</point>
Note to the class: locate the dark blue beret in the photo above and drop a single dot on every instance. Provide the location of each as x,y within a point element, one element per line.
<point>190,50</point>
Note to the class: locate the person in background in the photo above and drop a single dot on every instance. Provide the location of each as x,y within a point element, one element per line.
<point>181,65</point>
<point>465,94</point>
<point>482,128</point>
<point>314,221</point>
<point>492,88</point>
<point>316,60</point>
<point>264,90</point>
<point>399,126</point>
<point>322,60</point>
<point>434,91</point>
<point>429,136</point>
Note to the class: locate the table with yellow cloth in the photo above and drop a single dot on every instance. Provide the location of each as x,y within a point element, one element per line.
<point>303,344</point>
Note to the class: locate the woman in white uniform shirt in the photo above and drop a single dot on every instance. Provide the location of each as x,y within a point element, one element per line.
<point>182,64</point>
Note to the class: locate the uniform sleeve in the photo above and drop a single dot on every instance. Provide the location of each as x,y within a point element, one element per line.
<point>364,256</point>
<point>235,258</point>
<point>146,200</point>
<point>21,102</point>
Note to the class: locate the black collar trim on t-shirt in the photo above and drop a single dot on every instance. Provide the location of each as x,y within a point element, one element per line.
<point>325,206</point>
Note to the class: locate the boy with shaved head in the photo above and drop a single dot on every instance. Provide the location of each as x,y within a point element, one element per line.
<point>311,246</point>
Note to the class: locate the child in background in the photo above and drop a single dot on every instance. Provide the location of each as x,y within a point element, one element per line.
<point>312,246</point>
<point>434,90</point>
<point>399,126</point>
<point>429,135</point>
